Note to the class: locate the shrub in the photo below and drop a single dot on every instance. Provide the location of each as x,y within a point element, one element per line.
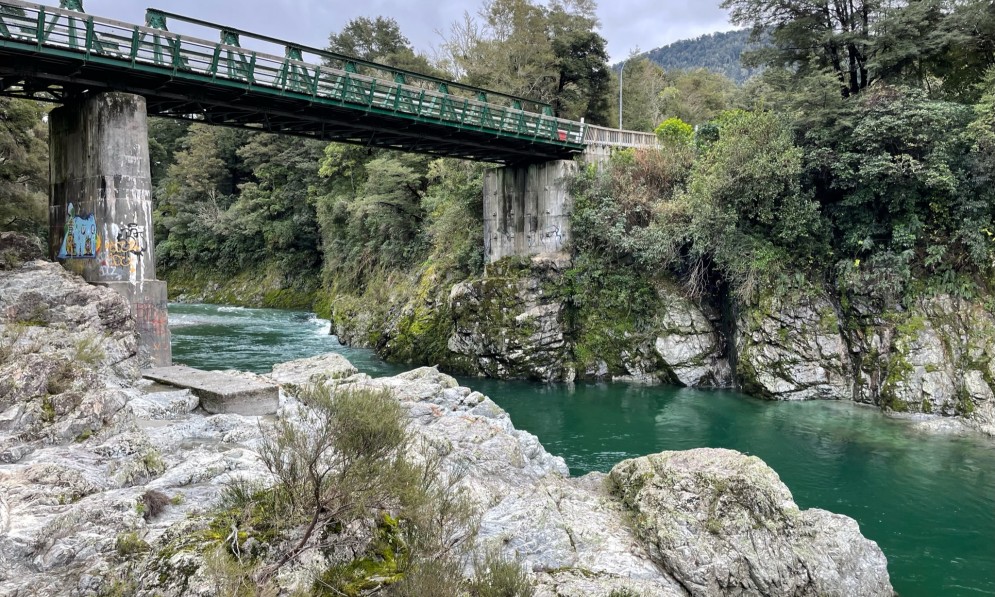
<point>439,578</point>
<point>674,131</point>
<point>129,544</point>
<point>89,351</point>
<point>154,503</point>
<point>500,577</point>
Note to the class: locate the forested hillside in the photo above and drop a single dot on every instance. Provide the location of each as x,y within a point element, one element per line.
<point>716,52</point>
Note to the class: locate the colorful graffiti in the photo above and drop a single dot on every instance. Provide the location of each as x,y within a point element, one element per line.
<point>81,241</point>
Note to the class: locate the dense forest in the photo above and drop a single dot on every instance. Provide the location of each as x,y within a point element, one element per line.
<point>716,52</point>
<point>862,156</point>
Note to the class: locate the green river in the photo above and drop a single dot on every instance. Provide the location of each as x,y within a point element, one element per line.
<point>927,499</point>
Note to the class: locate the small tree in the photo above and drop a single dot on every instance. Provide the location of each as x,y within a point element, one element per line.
<point>332,464</point>
<point>674,131</point>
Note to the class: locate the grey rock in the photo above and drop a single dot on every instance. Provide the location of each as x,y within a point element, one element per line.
<point>16,249</point>
<point>508,325</point>
<point>793,350</point>
<point>312,370</point>
<point>723,524</point>
<point>690,346</point>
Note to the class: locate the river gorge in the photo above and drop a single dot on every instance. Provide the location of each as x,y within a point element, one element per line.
<point>924,491</point>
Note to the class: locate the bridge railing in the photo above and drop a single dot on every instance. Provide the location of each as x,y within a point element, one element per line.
<point>599,135</point>
<point>156,50</point>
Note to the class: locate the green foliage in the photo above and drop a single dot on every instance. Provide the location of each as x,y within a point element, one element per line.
<point>696,96</point>
<point>454,202</point>
<point>744,212</point>
<point>610,305</point>
<point>379,40</point>
<point>942,43</point>
<point>642,83</point>
<point>340,464</point>
<point>385,561</point>
<point>898,179</point>
<point>373,216</point>
<point>89,350</point>
<point>130,544</point>
<point>232,199</point>
<point>716,52</point>
<point>443,578</point>
<point>552,54</point>
<point>23,167</point>
<point>674,131</point>
<point>230,576</point>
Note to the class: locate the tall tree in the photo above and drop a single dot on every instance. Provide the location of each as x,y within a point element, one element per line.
<point>812,34</point>
<point>378,40</point>
<point>932,43</point>
<point>548,53</point>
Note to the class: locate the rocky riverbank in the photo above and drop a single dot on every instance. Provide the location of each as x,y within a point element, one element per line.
<point>523,319</point>
<point>110,485</point>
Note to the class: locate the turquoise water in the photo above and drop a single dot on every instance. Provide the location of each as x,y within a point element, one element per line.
<point>928,500</point>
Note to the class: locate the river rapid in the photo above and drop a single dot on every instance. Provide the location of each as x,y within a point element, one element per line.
<point>927,499</point>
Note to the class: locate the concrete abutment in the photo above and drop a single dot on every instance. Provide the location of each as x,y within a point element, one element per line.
<point>100,207</point>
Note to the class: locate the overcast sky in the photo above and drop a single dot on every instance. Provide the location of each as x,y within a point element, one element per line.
<point>626,24</point>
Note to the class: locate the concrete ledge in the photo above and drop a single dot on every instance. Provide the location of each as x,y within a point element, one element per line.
<point>221,393</point>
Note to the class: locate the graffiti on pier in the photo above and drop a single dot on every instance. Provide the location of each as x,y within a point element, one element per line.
<point>81,240</point>
<point>151,318</point>
<point>152,324</point>
<point>131,238</point>
<point>129,241</point>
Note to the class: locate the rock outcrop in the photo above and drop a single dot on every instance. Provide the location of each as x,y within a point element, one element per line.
<point>936,358</point>
<point>110,484</point>
<point>793,350</point>
<point>512,322</point>
<point>72,514</point>
<point>66,349</point>
<point>692,349</point>
<point>723,524</point>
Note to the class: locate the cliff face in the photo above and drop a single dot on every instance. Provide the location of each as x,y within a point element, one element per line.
<point>937,357</point>
<point>111,486</point>
<point>524,320</point>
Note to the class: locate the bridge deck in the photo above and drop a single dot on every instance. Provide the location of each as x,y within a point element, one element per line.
<point>52,53</point>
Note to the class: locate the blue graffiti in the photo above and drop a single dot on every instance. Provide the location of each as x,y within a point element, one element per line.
<point>81,240</point>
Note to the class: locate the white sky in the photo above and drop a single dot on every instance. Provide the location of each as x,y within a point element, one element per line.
<point>626,24</point>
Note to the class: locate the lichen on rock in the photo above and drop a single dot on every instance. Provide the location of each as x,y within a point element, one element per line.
<point>722,523</point>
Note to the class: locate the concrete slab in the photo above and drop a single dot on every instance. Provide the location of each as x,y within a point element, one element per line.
<point>221,393</point>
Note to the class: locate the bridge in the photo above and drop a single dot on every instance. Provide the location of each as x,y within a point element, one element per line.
<point>109,76</point>
<point>55,53</point>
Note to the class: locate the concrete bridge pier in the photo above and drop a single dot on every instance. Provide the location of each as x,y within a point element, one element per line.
<point>100,207</point>
<point>527,209</point>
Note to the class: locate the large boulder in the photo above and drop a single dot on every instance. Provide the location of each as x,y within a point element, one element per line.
<point>65,346</point>
<point>723,523</point>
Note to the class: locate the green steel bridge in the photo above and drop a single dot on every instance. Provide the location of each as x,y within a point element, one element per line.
<point>55,54</point>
